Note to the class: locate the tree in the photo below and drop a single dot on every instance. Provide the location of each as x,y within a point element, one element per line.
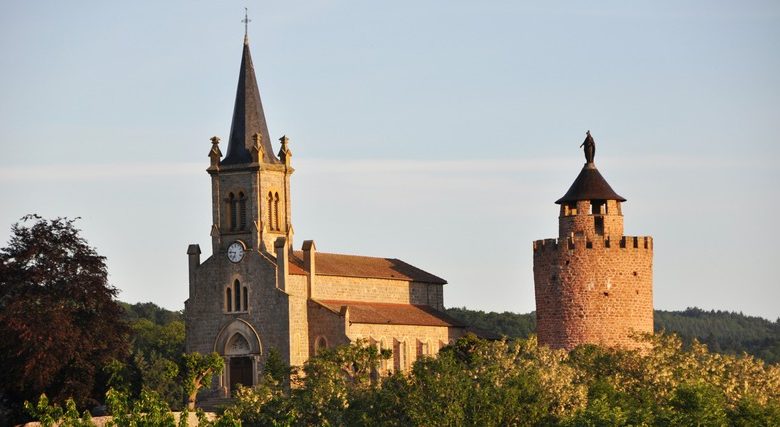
<point>59,322</point>
<point>199,369</point>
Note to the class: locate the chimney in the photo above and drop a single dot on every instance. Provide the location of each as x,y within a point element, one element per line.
<point>282,263</point>
<point>309,258</point>
<point>193,253</point>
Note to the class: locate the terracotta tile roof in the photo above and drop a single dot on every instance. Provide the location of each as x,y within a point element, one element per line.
<point>362,266</point>
<point>296,267</point>
<point>392,314</point>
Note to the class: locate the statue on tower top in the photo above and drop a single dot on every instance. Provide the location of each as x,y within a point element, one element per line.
<point>590,147</point>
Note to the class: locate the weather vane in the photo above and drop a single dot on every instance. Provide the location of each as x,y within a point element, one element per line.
<point>246,22</point>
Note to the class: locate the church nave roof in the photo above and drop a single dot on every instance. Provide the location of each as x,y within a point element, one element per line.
<point>391,314</point>
<point>328,264</point>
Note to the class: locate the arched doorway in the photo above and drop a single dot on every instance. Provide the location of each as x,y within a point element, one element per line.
<point>239,362</point>
<point>239,344</point>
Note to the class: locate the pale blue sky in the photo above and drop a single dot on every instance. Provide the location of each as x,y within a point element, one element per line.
<point>440,133</point>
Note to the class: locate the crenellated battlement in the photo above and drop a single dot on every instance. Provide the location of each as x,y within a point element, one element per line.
<point>593,242</point>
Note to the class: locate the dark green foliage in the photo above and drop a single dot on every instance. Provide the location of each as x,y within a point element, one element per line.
<point>722,331</point>
<point>695,405</point>
<point>276,369</point>
<point>152,312</point>
<point>468,385</point>
<point>511,325</point>
<point>749,413</point>
<point>157,345</point>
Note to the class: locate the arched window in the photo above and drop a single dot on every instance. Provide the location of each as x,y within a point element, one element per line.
<point>422,348</point>
<point>245,299</point>
<point>276,212</point>
<point>241,211</point>
<point>228,300</point>
<point>320,344</point>
<point>237,295</point>
<point>399,356</point>
<point>382,362</point>
<point>270,211</point>
<point>232,211</point>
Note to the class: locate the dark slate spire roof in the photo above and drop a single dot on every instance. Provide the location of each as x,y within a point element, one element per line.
<point>248,117</point>
<point>590,185</point>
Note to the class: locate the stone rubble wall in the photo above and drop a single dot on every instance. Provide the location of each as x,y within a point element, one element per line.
<point>593,290</point>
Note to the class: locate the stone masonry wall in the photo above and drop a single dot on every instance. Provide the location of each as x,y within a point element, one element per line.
<point>413,341</point>
<point>377,290</point>
<point>268,307</point>
<point>580,221</point>
<point>236,182</point>
<point>275,182</point>
<point>327,324</point>
<point>299,322</point>
<point>593,290</point>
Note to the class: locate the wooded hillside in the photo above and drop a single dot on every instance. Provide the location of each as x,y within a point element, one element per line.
<point>722,331</point>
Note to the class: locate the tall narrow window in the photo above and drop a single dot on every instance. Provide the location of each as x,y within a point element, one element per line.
<point>228,300</point>
<point>422,349</point>
<point>270,211</point>
<point>599,225</point>
<point>245,299</point>
<point>241,211</point>
<point>232,211</point>
<point>237,293</point>
<point>320,344</point>
<point>276,211</point>
<point>382,362</point>
<point>400,357</point>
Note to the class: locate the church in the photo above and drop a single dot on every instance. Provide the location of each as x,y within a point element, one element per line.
<point>256,292</point>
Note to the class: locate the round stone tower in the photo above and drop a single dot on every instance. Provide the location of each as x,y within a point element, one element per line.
<point>593,284</point>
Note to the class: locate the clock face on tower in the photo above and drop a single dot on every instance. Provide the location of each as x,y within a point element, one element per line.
<point>235,251</point>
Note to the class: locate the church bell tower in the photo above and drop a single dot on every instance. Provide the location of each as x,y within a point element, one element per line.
<point>250,187</point>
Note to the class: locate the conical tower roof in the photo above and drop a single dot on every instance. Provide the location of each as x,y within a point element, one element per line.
<point>590,185</point>
<point>248,117</point>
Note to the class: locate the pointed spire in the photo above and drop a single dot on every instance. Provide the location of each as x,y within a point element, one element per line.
<point>248,117</point>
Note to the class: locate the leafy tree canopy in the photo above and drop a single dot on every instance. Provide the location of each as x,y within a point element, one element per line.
<point>59,322</point>
<point>496,383</point>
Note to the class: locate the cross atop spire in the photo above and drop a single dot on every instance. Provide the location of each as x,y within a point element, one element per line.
<point>246,22</point>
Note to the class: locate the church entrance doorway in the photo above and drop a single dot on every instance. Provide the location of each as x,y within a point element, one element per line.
<point>239,344</point>
<point>240,372</point>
